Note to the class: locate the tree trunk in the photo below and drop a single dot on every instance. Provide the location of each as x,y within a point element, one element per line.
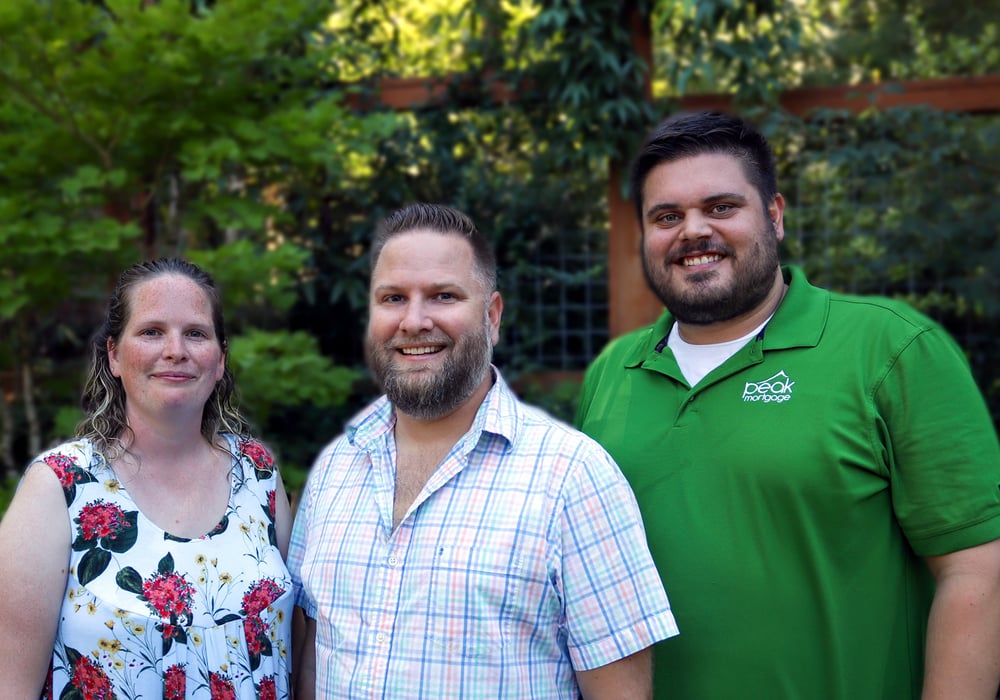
<point>30,410</point>
<point>7,466</point>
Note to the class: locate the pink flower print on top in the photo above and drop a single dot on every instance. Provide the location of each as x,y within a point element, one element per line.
<point>69,473</point>
<point>168,594</point>
<point>260,595</point>
<point>262,460</point>
<point>91,681</point>
<point>255,632</point>
<point>267,690</point>
<point>221,687</point>
<point>65,468</point>
<point>174,683</point>
<point>101,519</point>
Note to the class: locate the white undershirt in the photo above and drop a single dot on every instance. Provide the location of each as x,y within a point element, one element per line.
<point>696,361</point>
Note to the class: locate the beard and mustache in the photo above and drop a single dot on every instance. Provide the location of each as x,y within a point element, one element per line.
<point>702,302</point>
<point>431,394</point>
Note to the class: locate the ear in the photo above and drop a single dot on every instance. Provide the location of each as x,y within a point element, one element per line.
<point>113,359</point>
<point>494,311</point>
<point>776,210</point>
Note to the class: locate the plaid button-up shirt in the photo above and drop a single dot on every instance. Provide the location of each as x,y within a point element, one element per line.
<point>523,558</point>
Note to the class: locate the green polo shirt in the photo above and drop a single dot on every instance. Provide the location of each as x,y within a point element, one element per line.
<point>789,496</point>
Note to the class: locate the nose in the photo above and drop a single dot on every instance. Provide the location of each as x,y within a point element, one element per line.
<point>696,225</point>
<point>415,319</point>
<point>174,347</point>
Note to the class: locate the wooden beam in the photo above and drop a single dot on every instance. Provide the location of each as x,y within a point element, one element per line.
<point>426,93</point>
<point>630,303</point>
<point>978,94</point>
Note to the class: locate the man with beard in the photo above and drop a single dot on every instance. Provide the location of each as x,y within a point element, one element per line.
<point>817,472</point>
<point>454,542</point>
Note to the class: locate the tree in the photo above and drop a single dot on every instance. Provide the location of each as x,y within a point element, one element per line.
<point>247,135</point>
<point>131,130</point>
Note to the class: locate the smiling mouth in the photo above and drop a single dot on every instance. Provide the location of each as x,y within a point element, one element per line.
<point>423,350</point>
<point>699,260</point>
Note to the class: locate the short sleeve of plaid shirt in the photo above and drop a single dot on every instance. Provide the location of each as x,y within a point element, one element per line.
<point>615,603</point>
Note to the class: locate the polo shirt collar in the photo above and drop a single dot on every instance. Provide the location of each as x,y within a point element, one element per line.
<point>798,322</point>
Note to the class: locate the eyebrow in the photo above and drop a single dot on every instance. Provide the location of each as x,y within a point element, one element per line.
<point>439,287</point>
<point>713,199</point>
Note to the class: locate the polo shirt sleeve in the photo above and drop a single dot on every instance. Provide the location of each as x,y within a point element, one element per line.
<point>942,447</point>
<point>615,604</point>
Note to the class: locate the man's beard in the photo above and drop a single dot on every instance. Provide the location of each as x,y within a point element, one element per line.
<point>752,280</point>
<point>427,395</point>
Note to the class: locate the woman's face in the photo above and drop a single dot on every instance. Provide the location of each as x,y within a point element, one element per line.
<point>168,356</point>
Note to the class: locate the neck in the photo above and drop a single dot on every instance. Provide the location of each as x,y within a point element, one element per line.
<point>173,440</point>
<point>738,327</point>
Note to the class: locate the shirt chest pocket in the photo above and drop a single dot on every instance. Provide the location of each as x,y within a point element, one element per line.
<point>479,596</point>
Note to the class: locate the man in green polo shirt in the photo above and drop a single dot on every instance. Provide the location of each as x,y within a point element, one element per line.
<point>817,473</point>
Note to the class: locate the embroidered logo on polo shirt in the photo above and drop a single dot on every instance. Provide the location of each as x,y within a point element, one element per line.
<point>777,389</point>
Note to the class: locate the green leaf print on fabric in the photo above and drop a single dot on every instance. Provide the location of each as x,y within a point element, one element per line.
<point>166,565</point>
<point>93,565</point>
<point>130,580</point>
<point>221,527</point>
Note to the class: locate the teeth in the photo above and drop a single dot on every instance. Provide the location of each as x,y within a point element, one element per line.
<point>700,260</point>
<point>419,351</point>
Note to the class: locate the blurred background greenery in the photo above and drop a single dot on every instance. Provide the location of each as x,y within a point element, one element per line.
<point>249,136</point>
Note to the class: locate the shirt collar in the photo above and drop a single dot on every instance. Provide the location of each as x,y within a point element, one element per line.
<point>798,322</point>
<point>499,414</point>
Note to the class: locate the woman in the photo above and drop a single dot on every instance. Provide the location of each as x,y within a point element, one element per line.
<point>145,558</point>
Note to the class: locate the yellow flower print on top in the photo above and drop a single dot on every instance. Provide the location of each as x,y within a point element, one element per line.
<point>110,645</point>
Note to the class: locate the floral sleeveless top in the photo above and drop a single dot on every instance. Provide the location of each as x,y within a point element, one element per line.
<point>150,615</point>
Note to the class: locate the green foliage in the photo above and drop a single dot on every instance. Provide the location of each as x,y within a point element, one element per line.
<point>752,50</point>
<point>282,367</point>
<point>902,203</point>
<point>877,40</point>
<point>130,130</point>
<point>253,281</point>
<point>7,488</point>
<point>223,132</point>
<point>588,79</point>
<point>558,398</point>
<point>745,48</point>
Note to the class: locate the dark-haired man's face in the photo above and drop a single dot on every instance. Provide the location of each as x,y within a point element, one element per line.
<point>432,325</point>
<point>709,246</point>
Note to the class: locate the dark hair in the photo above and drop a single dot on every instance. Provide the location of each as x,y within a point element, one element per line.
<point>440,219</point>
<point>690,134</point>
<point>104,395</point>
